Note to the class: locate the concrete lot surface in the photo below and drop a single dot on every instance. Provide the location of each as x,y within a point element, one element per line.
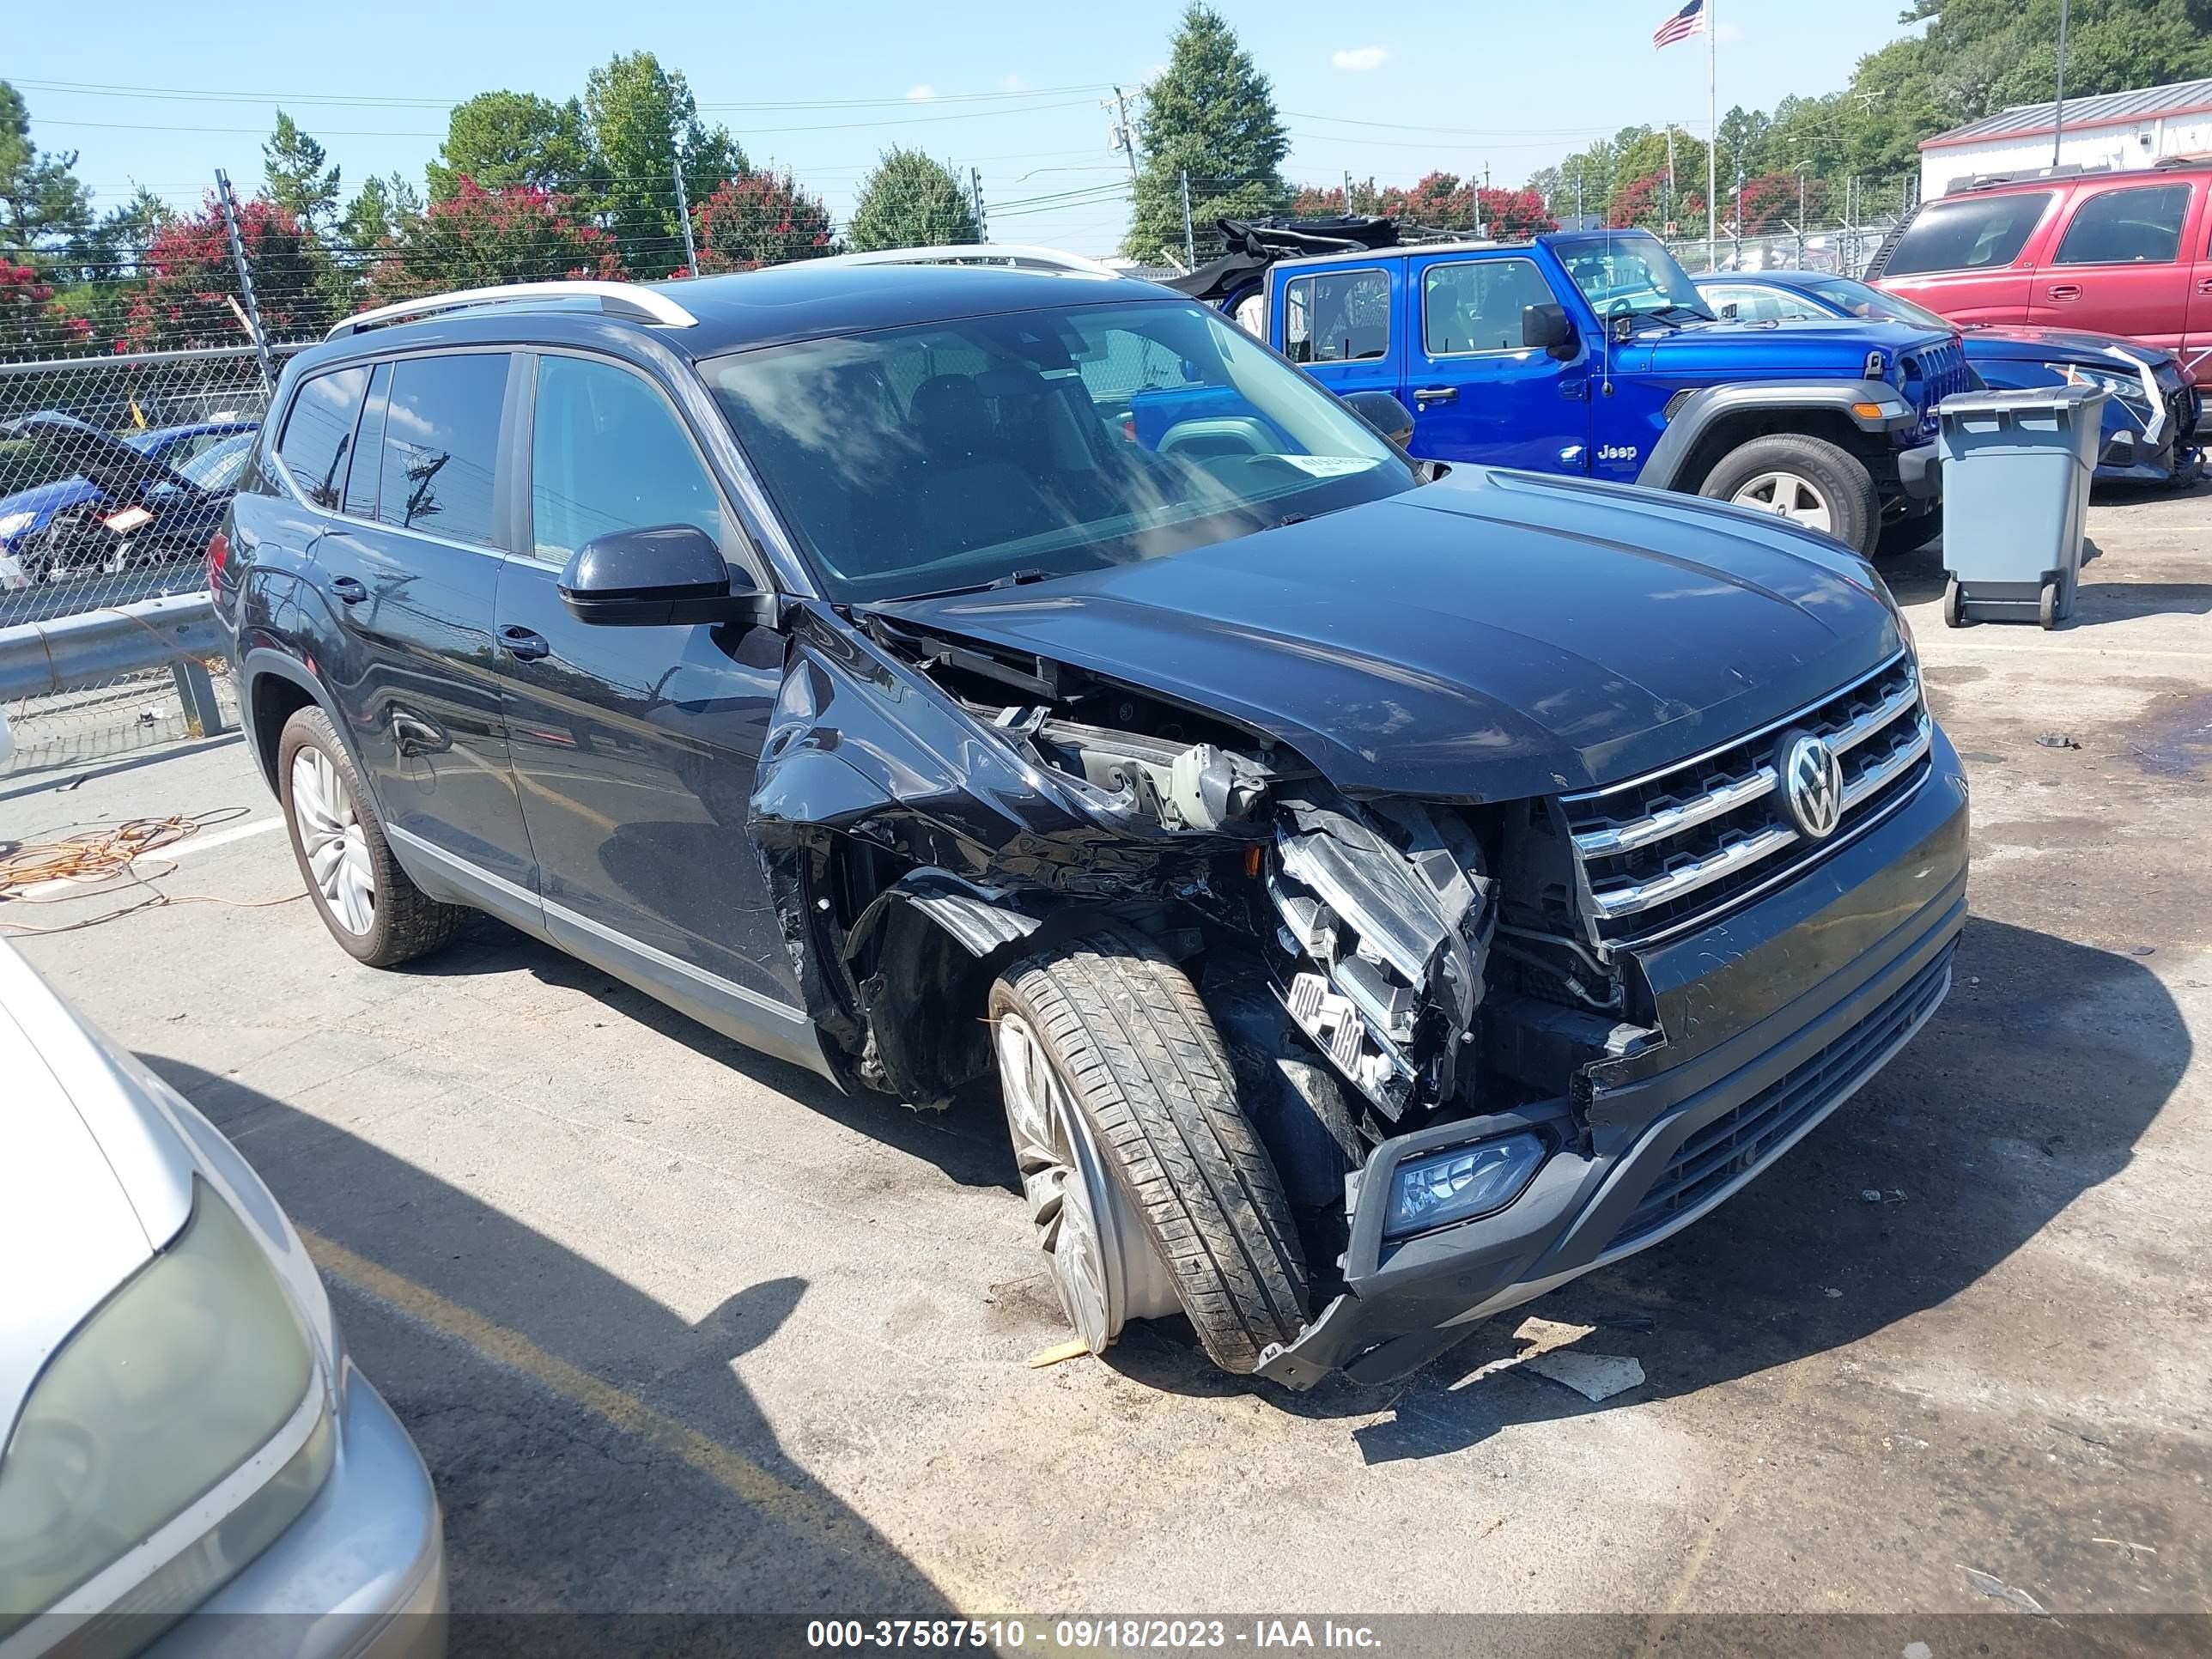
<point>678,1328</point>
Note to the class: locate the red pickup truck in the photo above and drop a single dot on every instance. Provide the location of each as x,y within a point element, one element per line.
<point>2116,252</point>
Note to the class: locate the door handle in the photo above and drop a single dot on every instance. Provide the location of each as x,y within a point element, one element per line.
<point>1437,394</point>
<point>2064,290</point>
<point>348,589</point>
<point>523,644</point>
<point>2204,284</point>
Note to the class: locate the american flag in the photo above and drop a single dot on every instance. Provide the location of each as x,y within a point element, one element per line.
<point>1690,21</point>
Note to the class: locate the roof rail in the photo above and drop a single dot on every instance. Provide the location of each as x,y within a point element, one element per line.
<point>629,300</point>
<point>1020,256</point>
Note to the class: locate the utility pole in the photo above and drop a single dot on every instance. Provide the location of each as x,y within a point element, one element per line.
<point>1124,136</point>
<point>1190,242</point>
<point>1347,190</point>
<point>683,213</point>
<point>1670,181</point>
<point>1578,196</point>
<point>245,278</point>
<point>1712,132</point>
<point>976,199</point>
<point>2058,103</point>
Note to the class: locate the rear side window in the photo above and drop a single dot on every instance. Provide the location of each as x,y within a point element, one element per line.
<point>1341,317</point>
<point>440,441</point>
<point>318,433</point>
<point>2141,227</point>
<point>1970,235</point>
<point>607,454</point>
<point>1476,306</point>
<point>360,487</point>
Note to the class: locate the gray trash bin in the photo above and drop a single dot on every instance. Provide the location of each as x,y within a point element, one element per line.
<point>2016,472</point>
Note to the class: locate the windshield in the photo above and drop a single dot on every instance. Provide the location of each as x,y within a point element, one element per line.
<point>1629,273</point>
<point>1859,298</point>
<point>217,466</point>
<point>1039,443</point>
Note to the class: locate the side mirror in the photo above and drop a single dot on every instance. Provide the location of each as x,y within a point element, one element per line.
<point>1547,327</point>
<point>667,574</point>
<point>1384,413</point>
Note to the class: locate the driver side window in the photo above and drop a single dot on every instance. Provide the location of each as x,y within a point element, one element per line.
<point>607,454</point>
<point>1338,317</point>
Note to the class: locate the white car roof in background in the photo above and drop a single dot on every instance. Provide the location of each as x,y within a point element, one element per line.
<point>93,1178</point>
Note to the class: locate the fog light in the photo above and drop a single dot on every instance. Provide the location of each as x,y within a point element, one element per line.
<point>1461,1184</point>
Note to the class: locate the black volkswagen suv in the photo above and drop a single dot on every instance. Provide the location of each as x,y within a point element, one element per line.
<point>1376,901</point>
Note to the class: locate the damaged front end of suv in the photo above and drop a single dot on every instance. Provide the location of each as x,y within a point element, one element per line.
<point>1478,1040</point>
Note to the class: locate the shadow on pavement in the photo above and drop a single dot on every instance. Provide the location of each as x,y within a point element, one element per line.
<point>594,1452</point>
<point>2031,1085</point>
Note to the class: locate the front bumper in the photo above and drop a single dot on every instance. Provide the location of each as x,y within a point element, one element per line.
<point>360,1575</point>
<point>1823,982</point>
<point>1920,472</point>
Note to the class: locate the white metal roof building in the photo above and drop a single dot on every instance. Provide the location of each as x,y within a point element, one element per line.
<point>2116,129</point>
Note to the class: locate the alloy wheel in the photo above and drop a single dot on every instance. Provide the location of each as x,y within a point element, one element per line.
<point>1104,1268</point>
<point>1790,496</point>
<point>331,835</point>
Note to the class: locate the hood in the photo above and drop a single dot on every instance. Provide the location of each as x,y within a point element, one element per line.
<point>48,498</point>
<point>93,1183</point>
<point>2063,345</point>
<point>1834,347</point>
<point>112,465</point>
<point>1493,636</point>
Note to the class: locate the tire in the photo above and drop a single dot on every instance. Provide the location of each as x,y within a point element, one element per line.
<point>1953,616</point>
<point>2047,607</point>
<point>1112,1023</point>
<point>333,824</point>
<point>1810,481</point>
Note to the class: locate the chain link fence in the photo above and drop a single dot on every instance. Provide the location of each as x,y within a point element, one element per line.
<point>114,471</point>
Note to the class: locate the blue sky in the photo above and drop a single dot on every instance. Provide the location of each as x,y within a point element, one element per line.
<point>1010,88</point>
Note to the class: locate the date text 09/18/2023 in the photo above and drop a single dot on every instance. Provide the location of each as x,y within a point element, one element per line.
<point>1089,1634</point>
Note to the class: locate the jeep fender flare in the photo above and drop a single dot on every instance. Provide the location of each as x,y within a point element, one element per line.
<point>1692,416</point>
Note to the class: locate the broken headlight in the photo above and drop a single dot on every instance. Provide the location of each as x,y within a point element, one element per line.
<point>1461,1184</point>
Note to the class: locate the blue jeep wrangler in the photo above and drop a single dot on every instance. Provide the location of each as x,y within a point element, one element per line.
<point>1592,354</point>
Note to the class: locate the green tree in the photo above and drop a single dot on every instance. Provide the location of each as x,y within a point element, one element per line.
<point>296,178</point>
<point>910,201</point>
<point>502,138</point>
<point>1210,114</point>
<point>41,202</point>
<point>381,209</point>
<point>477,237</point>
<point>643,121</point>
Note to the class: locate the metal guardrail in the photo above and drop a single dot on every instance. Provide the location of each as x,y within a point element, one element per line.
<point>65,653</point>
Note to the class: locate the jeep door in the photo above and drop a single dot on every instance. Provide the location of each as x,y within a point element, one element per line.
<point>407,566</point>
<point>2117,264</point>
<point>635,748</point>
<point>1339,324</point>
<point>1476,393</point>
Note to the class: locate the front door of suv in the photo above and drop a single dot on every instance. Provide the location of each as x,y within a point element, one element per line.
<point>408,568</point>
<point>635,748</point>
<point>1476,393</point>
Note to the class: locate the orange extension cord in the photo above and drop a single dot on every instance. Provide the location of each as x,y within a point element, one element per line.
<point>110,854</point>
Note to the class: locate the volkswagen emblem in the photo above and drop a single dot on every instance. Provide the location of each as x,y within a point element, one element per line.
<point>1812,785</point>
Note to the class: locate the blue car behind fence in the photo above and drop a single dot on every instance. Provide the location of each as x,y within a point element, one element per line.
<point>2150,419</point>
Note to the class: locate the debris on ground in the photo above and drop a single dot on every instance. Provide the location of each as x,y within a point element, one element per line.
<point>1870,1195</point>
<point>1989,1585</point>
<point>2057,740</point>
<point>1594,1375</point>
<point>1074,1348</point>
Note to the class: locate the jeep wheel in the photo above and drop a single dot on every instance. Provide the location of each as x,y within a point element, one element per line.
<point>372,909</point>
<point>1809,481</point>
<point>1147,1187</point>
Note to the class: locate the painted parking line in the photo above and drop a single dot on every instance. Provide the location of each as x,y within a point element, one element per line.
<point>174,850</point>
<point>816,1514</point>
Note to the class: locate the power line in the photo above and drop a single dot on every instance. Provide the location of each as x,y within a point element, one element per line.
<point>105,89</point>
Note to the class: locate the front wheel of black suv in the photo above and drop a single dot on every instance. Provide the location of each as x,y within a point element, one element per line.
<point>377,916</point>
<point>1147,1186</point>
<point>1809,481</point>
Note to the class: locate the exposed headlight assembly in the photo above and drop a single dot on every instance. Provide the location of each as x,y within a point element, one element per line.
<point>175,1433</point>
<point>2128,388</point>
<point>1461,1184</point>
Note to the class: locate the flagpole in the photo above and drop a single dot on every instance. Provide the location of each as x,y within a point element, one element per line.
<point>1712,135</point>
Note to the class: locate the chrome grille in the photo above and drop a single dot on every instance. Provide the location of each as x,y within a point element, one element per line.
<point>1673,850</point>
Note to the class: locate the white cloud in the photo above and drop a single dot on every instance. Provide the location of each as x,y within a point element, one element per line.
<point>922,93</point>
<point>1013,84</point>
<point>1359,60</point>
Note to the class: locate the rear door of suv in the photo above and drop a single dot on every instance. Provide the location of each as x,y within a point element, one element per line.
<point>2117,261</point>
<point>408,566</point>
<point>1973,257</point>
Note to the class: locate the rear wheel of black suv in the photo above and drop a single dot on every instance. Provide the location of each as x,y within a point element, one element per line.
<point>1149,1190</point>
<point>1809,481</point>
<point>374,911</point>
